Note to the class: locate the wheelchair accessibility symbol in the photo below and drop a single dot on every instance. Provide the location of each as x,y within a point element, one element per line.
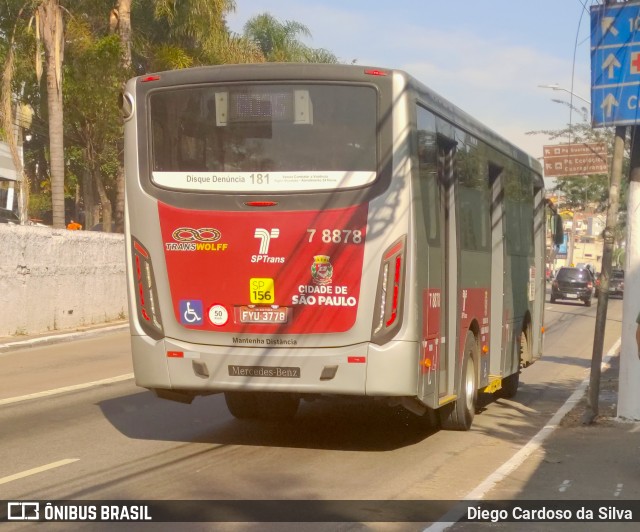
<point>191,312</point>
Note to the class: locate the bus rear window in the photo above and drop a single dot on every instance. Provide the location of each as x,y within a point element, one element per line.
<point>244,138</point>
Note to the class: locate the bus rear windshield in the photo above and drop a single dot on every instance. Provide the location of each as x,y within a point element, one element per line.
<point>243,138</point>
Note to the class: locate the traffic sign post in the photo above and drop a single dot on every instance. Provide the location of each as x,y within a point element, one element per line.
<point>615,64</point>
<point>562,160</point>
<point>615,93</point>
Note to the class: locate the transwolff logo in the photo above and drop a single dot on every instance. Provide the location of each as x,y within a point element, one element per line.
<point>189,239</point>
<point>265,236</point>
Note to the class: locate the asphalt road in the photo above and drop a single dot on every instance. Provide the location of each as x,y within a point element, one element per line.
<point>74,425</point>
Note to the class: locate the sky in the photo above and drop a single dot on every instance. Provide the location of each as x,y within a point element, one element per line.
<point>488,57</point>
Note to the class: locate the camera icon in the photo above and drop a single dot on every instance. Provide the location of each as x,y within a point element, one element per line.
<point>23,511</point>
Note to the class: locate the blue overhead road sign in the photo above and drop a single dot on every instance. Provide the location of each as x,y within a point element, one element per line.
<point>615,64</point>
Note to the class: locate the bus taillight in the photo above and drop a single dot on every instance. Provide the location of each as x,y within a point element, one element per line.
<point>389,294</point>
<point>396,292</point>
<point>145,289</point>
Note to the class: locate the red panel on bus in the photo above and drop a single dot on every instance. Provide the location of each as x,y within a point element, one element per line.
<point>271,272</point>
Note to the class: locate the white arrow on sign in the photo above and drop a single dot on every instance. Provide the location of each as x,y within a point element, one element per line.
<point>608,104</point>
<point>607,25</point>
<point>611,63</point>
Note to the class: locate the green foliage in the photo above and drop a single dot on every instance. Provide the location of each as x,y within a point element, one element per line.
<point>39,204</point>
<point>178,34</point>
<point>280,41</point>
<point>166,34</point>
<point>172,57</point>
<point>588,191</point>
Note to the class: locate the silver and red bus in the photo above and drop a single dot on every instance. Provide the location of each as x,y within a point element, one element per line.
<point>303,231</point>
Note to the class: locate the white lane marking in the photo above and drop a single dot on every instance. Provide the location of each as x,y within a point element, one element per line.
<point>36,470</point>
<point>57,391</point>
<point>535,443</point>
<point>564,486</point>
<point>618,490</point>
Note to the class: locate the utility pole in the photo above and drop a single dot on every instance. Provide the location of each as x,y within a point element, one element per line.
<point>628,396</point>
<point>605,272</point>
<point>629,378</point>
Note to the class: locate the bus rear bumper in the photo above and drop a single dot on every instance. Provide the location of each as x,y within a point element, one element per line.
<point>362,369</point>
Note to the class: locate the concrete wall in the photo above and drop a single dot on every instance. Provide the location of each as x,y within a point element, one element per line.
<point>54,279</point>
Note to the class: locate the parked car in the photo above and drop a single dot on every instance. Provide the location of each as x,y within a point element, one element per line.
<point>616,283</point>
<point>574,284</point>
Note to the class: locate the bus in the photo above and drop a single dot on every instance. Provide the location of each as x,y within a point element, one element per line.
<point>307,231</point>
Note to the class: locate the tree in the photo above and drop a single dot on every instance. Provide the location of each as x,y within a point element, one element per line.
<point>92,123</point>
<point>120,21</point>
<point>280,41</point>
<point>583,191</point>
<point>172,34</point>
<point>50,29</point>
<point>144,36</point>
<point>6,109</point>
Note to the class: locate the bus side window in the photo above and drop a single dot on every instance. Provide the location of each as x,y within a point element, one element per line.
<point>428,172</point>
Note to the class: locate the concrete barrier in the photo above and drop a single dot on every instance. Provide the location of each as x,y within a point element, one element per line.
<point>55,279</point>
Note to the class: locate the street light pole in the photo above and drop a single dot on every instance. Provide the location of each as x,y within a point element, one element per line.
<point>556,87</point>
<point>592,409</point>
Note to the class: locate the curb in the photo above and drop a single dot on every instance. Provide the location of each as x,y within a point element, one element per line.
<point>61,337</point>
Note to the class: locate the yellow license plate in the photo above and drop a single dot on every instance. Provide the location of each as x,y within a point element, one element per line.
<point>262,290</point>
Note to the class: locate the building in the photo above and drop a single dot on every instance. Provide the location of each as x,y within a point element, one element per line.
<point>9,186</point>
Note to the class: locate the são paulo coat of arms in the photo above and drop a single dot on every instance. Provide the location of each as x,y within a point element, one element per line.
<point>321,269</point>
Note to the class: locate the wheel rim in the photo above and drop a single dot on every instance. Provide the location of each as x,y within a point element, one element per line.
<point>470,385</point>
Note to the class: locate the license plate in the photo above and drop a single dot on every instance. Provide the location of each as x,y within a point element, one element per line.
<point>572,296</point>
<point>253,314</point>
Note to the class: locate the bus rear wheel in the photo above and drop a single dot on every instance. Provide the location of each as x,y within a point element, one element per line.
<point>459,414</point>
<point>511,383</point>
<point>242,405</point>
<point>262,405</point>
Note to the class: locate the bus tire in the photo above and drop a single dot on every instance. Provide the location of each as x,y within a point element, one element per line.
<point>242,405</point>
<point>509,386</point>
<point>511,383</point>
<point>458,415</point>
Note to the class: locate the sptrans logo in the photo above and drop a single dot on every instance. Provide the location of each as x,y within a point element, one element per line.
<point>189,239</point>
<point>265,236</point>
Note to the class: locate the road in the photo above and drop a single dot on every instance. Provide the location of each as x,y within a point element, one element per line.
<point>113,440</point>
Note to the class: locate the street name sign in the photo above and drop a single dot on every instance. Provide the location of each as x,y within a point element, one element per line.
<point>562,160</point>
<point>615,64</point>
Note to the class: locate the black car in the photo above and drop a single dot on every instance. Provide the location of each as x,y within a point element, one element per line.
<point>616,283</point>
<point>573,283</point>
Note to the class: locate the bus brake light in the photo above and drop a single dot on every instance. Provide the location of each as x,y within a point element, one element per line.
<point>396,292</point>
<point>146,295</point>
<point>375,72</point>
<point>260,203</point>
<point>389,295</point>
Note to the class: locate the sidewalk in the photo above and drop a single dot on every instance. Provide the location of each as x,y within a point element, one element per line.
<point>600,461</point>
<point>10,343</point>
